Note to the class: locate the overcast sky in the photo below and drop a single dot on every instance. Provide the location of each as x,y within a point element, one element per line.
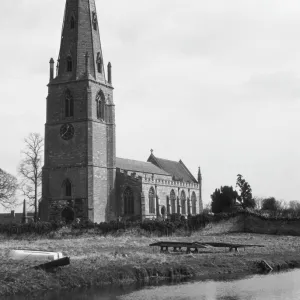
<point>215,83</point>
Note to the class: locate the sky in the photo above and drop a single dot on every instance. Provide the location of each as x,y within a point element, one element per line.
<point>213,83</point>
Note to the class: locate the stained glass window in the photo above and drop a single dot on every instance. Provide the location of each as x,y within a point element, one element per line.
<point>173,201</point>
<point>128,202</point>
<point>183,200</point>
<point>151,201</point>
<point>194,203</point>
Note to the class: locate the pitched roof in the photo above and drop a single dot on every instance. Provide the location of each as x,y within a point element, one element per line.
<point>139,166</point>
<point>178,170</point>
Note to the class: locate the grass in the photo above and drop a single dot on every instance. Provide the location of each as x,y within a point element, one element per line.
<point>99,260</point>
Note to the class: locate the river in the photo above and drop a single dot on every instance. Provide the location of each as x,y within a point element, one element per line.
<point>285,286</point>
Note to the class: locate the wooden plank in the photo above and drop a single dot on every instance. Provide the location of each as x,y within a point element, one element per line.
<point>225,245</point>
<point>177,245</point>
<point>54,264</point>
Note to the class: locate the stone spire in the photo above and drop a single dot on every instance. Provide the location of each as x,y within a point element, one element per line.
<point>200,190</point>
<point>80,36</point>
<point>199,175</point>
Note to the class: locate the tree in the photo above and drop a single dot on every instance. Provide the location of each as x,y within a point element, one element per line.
<point>258,202</point>
<point>30,169</point>
<point>270,204</point>
<point>223,199</point>
<point>8,187</point>
<point>245,197</point>
<point>294,205</point>
<point>294,208</point>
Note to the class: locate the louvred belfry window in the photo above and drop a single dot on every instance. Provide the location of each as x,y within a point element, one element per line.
<point>69,64</point>
<point>99,63</point>
<point>72,23</point>
<point>69,105</point>
<point>100,102</point>
<point>95,21</point>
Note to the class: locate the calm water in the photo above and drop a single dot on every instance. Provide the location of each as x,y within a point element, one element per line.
<point>267,287</point>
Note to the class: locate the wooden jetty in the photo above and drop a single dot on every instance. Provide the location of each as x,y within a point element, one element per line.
<point>177,246</point>
<point>228,245</point>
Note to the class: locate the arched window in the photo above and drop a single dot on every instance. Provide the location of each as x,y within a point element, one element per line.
<point>173,201</point>
<point>69,64</point>
<point>69,104</point>
<point>100,101</point>
<point>95,21</point>
<point>168,205</point>
<point>194,203</point>
<point>67,187</point>
<point>151,201</point>
<point>128,202</point>
<point>72,22</point>
<point>183,200</point>
<point>189,206</point>
<point>99,63</point>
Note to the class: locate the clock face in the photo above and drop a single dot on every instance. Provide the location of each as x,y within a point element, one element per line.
<point>66,131</point>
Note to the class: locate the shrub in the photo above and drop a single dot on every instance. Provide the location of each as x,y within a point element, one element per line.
<point>165,227</point>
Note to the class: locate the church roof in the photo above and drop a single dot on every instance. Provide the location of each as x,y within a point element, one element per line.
<point>139,166</point>
<point>178,170</point>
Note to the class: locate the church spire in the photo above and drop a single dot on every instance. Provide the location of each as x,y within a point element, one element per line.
<point>80,39</point>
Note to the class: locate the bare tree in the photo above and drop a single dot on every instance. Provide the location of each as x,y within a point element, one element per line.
<point>30,169</point>
<point>8,187</point>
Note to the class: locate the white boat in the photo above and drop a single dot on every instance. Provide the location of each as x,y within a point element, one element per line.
<point>32,255</point>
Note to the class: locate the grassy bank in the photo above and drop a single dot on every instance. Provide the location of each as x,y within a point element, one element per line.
<point>97,260</point>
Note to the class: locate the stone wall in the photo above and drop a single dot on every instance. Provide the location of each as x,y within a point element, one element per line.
<point>254,224</point>
<point>281,227</point>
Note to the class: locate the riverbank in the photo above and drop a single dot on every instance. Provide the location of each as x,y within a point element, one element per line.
<point>98,260</point>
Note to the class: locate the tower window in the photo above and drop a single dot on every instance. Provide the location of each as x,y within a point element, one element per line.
<point>100,101</point>
<point>67,188</point>
<point>72,23</point>
<point>99,63</point>
<point>69,105</point>
<point>94,21</point>
<point>69,64</point>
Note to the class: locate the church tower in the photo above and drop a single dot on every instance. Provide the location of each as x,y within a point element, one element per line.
<point>79,170</point>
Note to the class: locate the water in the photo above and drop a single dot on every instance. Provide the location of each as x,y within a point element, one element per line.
<point>266,287</point>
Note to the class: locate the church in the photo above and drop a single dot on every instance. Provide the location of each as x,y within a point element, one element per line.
<point>82,177</point>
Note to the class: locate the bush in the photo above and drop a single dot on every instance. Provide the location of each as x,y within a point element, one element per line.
<point>165,227</point>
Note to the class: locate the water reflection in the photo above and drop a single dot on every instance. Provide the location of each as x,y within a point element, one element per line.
<point>271,287</point>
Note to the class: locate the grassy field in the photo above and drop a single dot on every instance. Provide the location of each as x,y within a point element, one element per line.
<point>98,260</point>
